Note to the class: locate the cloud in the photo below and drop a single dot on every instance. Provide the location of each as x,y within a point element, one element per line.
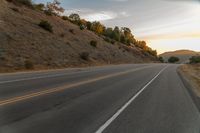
<point>100,16</point>
<point>124,14</point>
<point>184,1</point>
<point>92,15</point>
<point>78,11</point>
<point>172,36</point>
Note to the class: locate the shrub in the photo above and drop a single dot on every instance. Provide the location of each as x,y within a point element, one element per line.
<point>62,35</point>
<point>195,59</point>
<point>82,27</point>
<point>93,43</point>
<point>15,9</point>
<point>84,55</point>
<point>48,12</point>
<point>28,64</point>
<point>65,18</point>
<point>71,31</point>
<point>112,41</point>
<point>46,25</point>
<point>173,59</point>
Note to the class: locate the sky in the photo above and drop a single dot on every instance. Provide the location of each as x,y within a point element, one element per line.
<point>166,25</point>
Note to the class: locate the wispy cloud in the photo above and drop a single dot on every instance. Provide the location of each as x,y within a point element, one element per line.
<point>172,36</point>
<point>92,15</point>
<point>100,16</point>
<point>198,1</point>
<point>124,14</point>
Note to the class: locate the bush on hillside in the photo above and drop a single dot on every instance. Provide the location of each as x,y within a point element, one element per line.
<point>48,12</point>
<point>65,18</point>
<point>28,64</point>
<point>173,59</point>
<point>195,59</point>
<point>112,42</point>
<point>84,56</point>
<point>15,9</point>
<point>71,31</point>
<point>93,43</point>
<point>82,27</point>
<point>62,35</point>
<point>46,25</point>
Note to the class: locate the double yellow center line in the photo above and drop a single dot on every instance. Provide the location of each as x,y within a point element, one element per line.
<point>62,88</point>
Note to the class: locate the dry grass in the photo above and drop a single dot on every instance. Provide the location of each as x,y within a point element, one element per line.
<point>192,73</point>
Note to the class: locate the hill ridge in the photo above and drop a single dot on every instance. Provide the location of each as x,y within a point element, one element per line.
<point>184,55</point>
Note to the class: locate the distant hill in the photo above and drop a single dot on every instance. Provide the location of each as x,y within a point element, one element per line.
<point>183,55</point>
<point>24,44</point>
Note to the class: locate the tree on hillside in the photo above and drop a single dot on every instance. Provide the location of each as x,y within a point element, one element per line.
<point>116,33</point>
<point>98,28</point>
<point>54,8</point>
<point>141,44</point>
<point>123,35</point>
<point>74,17</point>
<point>108,32</point>
<point>173,59</point>
<point>195,59</point>
<point>151,51</point>
<point>127,36</point>
<point>89,25</point>
<point>123,39</point>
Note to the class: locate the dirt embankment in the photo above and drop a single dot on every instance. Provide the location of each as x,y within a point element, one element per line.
<point>23,44</point>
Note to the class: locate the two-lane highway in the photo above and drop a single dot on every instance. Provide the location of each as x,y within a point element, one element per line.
<point>146,98</point>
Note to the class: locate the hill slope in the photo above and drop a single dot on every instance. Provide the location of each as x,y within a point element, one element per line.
<point>183,55</point>
<point>22,41</point>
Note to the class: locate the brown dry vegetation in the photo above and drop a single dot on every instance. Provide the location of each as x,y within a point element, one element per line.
<point>22,41</point>
<point>192,73</point>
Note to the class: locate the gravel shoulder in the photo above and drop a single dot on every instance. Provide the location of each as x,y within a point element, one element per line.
<point>190,74</point>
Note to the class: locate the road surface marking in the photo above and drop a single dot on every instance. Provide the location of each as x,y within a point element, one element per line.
<point>48,91</point>
<point>110,120</point>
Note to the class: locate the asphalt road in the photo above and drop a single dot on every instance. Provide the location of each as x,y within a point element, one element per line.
<point>147,98</point>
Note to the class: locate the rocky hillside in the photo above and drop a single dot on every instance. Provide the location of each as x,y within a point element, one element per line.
<point>183,55</point>
<point>25,45</point>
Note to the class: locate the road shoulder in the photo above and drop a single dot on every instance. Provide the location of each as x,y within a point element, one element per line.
<point>190,77</point>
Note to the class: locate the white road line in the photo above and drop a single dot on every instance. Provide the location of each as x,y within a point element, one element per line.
<point>110,120</point>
